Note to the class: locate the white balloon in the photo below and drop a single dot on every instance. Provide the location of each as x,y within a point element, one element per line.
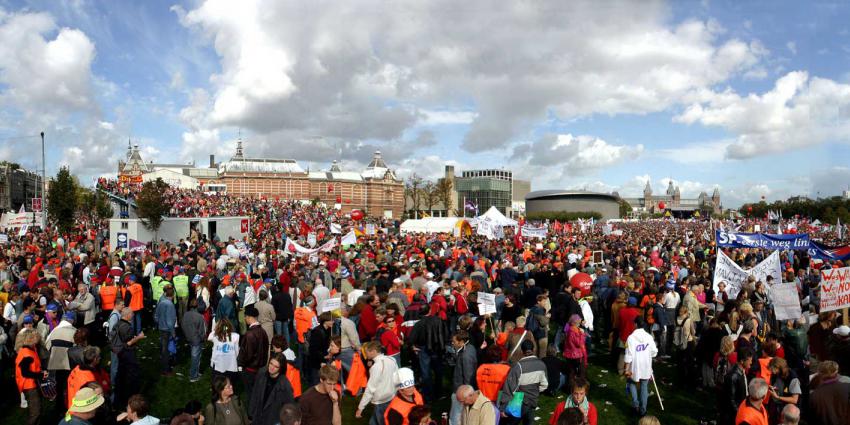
<point>60,242</point>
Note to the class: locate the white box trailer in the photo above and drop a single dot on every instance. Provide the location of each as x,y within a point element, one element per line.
<point>174,229</point>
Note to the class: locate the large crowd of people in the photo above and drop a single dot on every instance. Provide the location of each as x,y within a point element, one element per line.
<point>396,321</point>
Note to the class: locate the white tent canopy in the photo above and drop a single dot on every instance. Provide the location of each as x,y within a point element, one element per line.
<point>431,225</point>
<point>496,218</point>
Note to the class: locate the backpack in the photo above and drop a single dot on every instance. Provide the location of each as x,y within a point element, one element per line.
<point>721,371</point>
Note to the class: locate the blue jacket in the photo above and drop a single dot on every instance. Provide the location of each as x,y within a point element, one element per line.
<point>165,315</point>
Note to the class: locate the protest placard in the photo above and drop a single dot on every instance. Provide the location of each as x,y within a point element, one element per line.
<point>835,289</point>
<point>726,270</point>
<point>487,299</point>
<point>786,302</point>
<point>331,304</point>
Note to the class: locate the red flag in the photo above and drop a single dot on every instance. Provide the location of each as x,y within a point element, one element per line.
<point>518,238</point>
<point>305,228</point>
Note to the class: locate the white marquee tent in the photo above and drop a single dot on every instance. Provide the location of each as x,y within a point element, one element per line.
<point>435,225</point>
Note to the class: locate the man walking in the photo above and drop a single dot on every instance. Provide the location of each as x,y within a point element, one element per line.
<point>380,389</point>
<point>464,373</point>
<point>640,350</point>
<point>195,331</point>
<point>165,316</point>
<point>477,409</point>
<point>253,349</point>
<point>528,376</point>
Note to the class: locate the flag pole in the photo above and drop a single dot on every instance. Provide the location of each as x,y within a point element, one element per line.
<point>657,393</point>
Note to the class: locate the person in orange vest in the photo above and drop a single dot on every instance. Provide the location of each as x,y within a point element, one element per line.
<point>137,302</point>
<point>752,410</point>
<point>405,399</point>
<point>492,374</point>
<point>27,374</point>
<point>87,372</point>
<point>108,294</point>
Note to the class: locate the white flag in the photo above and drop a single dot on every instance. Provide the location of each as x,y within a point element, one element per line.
<point>838,225</point>
<point>349,239</point>
<point>336,229</point>
<point>23,210</point>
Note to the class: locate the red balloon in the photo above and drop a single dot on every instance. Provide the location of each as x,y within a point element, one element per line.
<point>356,215</point>
<point>750,208</point>
<point>662,205</point>
<point>582,281</point>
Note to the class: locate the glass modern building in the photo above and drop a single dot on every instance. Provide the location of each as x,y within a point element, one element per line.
<point>484,189</point>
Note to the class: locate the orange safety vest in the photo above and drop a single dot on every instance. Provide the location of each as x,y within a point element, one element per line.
<point>137,297</point>
<point>303,320</point>
<point>338,365</point>
<point>294,377</point>
<point>751,416</point>
<point>409,293</point>
<point>107,298</point>
<point>356,376</point>
<point>24,383</point>
<point>402,406</point>
<point>490,378</point>
<point>76,380</point>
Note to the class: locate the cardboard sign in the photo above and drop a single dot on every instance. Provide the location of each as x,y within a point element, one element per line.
<point>331,304</point>
<point>786,302</point>
<point>486,309</point>
<point>4,238</point>
<point>487,299</point>
<point>598,257</point>
<point>835,289</point>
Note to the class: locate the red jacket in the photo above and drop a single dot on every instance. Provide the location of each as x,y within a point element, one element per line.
<point>368,325</point>
<point>626,322</point>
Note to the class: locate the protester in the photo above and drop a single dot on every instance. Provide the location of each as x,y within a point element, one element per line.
<point>380,388</point>
<point>578,398</point>
<point>752,410</point>
<point>466,365</point>
<point>195,331</point>
<point>83,407</point>
<point>166,322</point>
<point>225,407</point>
<point>640,350</point>
<point>477,409</point>
<point>253,349</point>
<point>28,373</point>
<point>138,411</point>
<point>407,398</point>
<point>271,391</point>
<point>320,403</point>
<point>527,376</point>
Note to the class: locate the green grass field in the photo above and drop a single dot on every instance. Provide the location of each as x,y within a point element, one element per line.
<point>683,405</point>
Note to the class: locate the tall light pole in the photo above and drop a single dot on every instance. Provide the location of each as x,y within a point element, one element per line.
<point>43,183</point>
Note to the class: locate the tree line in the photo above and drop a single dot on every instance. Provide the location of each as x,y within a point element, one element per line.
<point>827,210</point>
<point>424,195</point>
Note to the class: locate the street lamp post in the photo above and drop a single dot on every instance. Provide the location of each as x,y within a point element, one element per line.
<point>43,183</point>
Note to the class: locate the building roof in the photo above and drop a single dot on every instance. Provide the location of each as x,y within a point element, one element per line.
<point>335,175</point>
<point>557,193</point>
<point>260,165</point>
<point>377,168</point>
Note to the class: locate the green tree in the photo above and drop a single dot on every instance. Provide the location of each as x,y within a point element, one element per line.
<point>102,207</point>
<point>151,204</point>
<point>63,200</point>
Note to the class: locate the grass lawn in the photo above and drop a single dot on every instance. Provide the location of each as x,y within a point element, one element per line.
<point>684,406</point>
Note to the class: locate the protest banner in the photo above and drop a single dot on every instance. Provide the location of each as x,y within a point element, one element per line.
<point>370,229</point>
<point>786,302</point>
<point>726,270</point>
<point>761,240</point>
<point>534,232</point>
<point>835,289</point>
<point>4,238</point>
<point>23,231</point>
<point>486,298</point>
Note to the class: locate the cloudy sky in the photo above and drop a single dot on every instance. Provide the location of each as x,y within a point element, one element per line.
<point>750,97</point>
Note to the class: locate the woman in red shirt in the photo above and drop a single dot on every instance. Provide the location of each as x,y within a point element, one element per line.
<point>577,399</point>
<point>390,340</point>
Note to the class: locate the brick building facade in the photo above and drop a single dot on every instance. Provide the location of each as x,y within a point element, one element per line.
<point>376,190</point>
